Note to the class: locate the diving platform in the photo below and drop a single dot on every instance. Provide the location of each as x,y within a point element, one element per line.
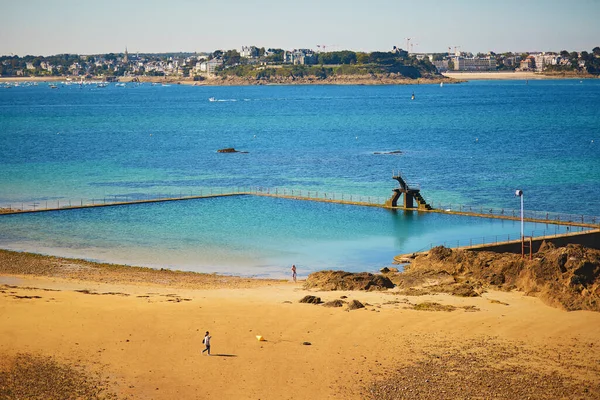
<point>411,195</point>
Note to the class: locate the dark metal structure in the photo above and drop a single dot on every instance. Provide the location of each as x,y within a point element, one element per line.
<point>412,195</point>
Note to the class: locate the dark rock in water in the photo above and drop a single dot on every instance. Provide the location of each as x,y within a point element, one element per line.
<point>355,305</point>
<point>311,300</point>
<point>230,150</point>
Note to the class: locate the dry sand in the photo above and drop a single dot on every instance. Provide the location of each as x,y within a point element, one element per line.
<point>507,75</point>
<point>144,340</point>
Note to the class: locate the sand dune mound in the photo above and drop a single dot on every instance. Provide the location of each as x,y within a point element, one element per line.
<point>566,277</point>
<point>341,280</point>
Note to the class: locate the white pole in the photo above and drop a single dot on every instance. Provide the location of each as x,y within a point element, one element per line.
<point>520,194</point>
<point>522,215</point>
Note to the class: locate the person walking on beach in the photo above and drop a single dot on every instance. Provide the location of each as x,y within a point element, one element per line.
<point>206,342</point>
<point>294,273</point>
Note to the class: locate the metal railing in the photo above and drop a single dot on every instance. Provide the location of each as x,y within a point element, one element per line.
<point>505,238</point>
<point>317,195</point>
<point>113,199</point>
<point>551,217</point>
<point>321,195</point>
<point>134,198</point>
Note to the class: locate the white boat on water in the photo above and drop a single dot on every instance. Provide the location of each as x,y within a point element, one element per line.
<point>53,87</point>
<point>102,84</point>
<point>120,85</point>
<point>212,99</point>
<point>441,84</point>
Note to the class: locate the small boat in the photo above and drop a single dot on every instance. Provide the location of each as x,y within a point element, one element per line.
<point>102,84</point>
<point>53,87</point>
<point>441,84</point>
<point>413,96</point>
<point>120,85</point>
<point>212,99</point>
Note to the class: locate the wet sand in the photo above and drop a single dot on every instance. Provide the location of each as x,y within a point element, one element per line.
<point>141,331</point>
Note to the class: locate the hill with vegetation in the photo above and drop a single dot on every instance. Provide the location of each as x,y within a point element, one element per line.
<point>337,66</point>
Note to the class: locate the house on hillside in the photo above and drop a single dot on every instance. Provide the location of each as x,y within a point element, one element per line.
<point>300,57</point>
<point>527,64</point>
<point>249,52</point>
<point>210,66</point>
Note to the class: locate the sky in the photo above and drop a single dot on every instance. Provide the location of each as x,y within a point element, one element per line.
<point>48,27</point>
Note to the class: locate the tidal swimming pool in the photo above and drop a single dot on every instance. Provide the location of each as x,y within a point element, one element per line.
<point>248,235</point>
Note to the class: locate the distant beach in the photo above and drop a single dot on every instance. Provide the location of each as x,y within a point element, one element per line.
<point>507,75</point>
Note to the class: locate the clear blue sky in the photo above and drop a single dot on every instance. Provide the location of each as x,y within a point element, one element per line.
<point>46,27</point>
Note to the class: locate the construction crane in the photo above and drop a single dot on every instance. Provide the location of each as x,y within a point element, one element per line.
<point>323,47</point>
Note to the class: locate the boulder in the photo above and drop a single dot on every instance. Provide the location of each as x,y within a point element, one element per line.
<point>311,300</point>
<point>341,280</point>
<point>355,305</point>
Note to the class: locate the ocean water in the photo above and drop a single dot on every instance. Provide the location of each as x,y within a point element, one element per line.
<point>471,144</point>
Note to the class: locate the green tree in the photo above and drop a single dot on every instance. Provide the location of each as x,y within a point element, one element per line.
<point>596,51</point>
<point>586,56</point>
<point>277,56</point>
<point>231,57</point>
<point>362,58</point>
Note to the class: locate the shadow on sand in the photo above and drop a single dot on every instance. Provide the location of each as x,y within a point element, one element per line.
<point>223,355</point>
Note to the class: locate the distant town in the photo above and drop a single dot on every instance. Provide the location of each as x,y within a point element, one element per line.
<point>255,62</point>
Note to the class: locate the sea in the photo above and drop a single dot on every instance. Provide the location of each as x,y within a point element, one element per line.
<point>468,145</point>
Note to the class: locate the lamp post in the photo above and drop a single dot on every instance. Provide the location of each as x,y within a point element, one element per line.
<point>520,194</point>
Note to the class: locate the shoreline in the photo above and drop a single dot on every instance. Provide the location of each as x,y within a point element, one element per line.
<point>245,81</point>
<point>16,263</point>
<point>446,77</point>
<point>141,331</point>
<point>518,75</point>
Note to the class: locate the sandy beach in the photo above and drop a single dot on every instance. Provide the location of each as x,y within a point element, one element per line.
<point>517,75</point>
<point>139,335</point>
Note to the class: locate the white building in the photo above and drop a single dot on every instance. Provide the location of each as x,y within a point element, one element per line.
<point>300,57</point>
<point>474,64</point>
<point>542,60</point>
<point>249,52</point>
<point>210,66</point>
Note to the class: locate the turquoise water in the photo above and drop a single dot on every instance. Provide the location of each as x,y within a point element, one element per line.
<point>471,144</point>
<point>246,235</point>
